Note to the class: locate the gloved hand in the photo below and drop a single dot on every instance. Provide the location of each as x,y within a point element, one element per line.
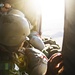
<point>55,64</point>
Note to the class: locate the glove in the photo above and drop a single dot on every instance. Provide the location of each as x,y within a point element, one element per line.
<point>55,64</point>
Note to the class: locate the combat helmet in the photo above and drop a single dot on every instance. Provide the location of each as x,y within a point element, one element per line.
<point>13,29</point>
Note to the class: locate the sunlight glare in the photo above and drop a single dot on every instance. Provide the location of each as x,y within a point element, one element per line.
<point>52,15</point>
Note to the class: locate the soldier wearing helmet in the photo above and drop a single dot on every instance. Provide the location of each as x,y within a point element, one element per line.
<point>13,32</point>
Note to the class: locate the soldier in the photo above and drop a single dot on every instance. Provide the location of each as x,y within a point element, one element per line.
<point>13,32</point>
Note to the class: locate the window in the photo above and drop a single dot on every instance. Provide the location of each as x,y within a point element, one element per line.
<point>53,19</point>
